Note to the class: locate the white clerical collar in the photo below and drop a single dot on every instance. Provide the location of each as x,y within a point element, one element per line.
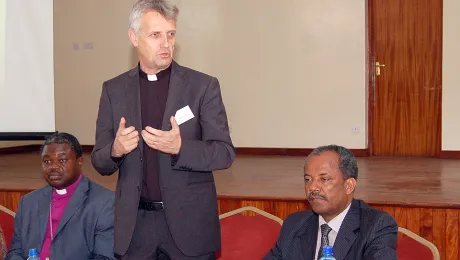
<point>152,77</point>
<point>61,192</point>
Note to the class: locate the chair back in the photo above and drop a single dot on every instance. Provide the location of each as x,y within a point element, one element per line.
<point>411,246</point>
<point>246,237</point>
<point>7,224</point>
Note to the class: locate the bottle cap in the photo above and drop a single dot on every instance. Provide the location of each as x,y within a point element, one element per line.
<point>327,250</point>
<point>33,252</point>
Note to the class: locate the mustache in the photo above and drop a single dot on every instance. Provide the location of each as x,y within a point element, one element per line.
<point>54,173</point>
<point>314,195</point>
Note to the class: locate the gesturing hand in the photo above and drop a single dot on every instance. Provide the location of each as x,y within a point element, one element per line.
<point>165,141</point>
<point>126,139</point>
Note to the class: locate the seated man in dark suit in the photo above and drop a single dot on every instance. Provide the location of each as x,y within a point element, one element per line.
<point>72,217</point>
<point>354,230</point>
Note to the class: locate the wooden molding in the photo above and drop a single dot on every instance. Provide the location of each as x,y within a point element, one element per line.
<point>239,150</point>
<point>87,148</point>
<point>371,77</point>
<point>449,154</point>
<point>20,149</point>
<point>289,151</point>
<point>34,148</point>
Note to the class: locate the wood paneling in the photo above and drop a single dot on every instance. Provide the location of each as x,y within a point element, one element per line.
<point>19,149</point>
<point>413,221</point>
<point>406,98</point>
<point>371,76</point>
<point>452,234</point>
<point>10,198</point>
<point>289,151</point>
<point>34,148</point>
<point>239,150</point>
<point>426,223</point>
<point>450,154</point>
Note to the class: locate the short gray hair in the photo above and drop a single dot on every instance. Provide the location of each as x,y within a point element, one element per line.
<point>164,7</point>
<point>347,161</point>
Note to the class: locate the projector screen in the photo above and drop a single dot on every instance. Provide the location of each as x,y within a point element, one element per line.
<point>26,69</point>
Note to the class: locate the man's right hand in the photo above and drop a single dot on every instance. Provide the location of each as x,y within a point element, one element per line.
<point>126,139</point>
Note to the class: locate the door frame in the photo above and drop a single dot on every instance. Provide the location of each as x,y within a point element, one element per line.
<point>370,75</point>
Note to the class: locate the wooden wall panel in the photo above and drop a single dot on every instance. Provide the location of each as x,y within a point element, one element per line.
<point>438,225</point>
<point>10,199</point>
<point>413,220</point>
<point>426,221</point>
<point>401,216</point>
<point>283,209</point>
<point>452,234</point>
<point>439,230</point>
<point>227,205</point>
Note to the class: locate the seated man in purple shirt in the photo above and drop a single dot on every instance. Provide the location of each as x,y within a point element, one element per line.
<point>72,217</point>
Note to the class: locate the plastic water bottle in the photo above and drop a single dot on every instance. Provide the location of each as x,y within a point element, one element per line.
<point>33,254</point>
<point>327,253</point>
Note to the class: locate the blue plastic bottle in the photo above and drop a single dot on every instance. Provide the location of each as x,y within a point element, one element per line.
<point>327,253</point>
<point>33,254</point>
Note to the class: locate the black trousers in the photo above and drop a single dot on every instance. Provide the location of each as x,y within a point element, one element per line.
<point>152,240</point>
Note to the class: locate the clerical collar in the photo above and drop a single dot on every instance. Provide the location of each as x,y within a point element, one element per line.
<point>61,192</point>
<point>70,189</point>
<point>154,77</point>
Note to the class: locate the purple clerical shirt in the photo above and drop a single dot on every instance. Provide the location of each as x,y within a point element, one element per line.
<point>58,205</point>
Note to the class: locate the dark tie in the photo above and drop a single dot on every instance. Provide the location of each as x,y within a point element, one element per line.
<point>325,229</point>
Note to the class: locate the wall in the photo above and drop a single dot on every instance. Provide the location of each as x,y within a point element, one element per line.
<point>451,76</point>
<point>290,75</point>
<point>91,46</point>
<point>295,76</point>
<point>4,144</point>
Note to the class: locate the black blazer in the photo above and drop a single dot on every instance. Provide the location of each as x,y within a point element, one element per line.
<point>187,183</point>
<point>366,233</point>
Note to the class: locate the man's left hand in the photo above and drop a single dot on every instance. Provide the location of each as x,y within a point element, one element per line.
<point>165,141</point>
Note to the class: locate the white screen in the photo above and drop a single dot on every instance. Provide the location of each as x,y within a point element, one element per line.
<point>26,66</point>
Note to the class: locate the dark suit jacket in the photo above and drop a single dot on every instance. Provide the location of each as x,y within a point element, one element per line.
<point>187,183</point>
<point>366,233</point>
<point>85,230</point>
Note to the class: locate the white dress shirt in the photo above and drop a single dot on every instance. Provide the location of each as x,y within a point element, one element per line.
<point>334,224</point>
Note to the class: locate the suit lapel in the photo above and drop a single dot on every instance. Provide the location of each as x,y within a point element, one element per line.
<point>75,202</point>
<point>132,92</point>
<point>308,239</point>
<point>346,236</point>
<point>43,212</point>
<point>177,83</point>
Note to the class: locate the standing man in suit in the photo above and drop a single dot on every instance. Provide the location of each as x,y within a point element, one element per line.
<point>70,218</point>
<point>164,127</point>
<point>354,230</point>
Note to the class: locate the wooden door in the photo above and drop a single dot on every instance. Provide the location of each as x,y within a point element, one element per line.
<point>405,99</point>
